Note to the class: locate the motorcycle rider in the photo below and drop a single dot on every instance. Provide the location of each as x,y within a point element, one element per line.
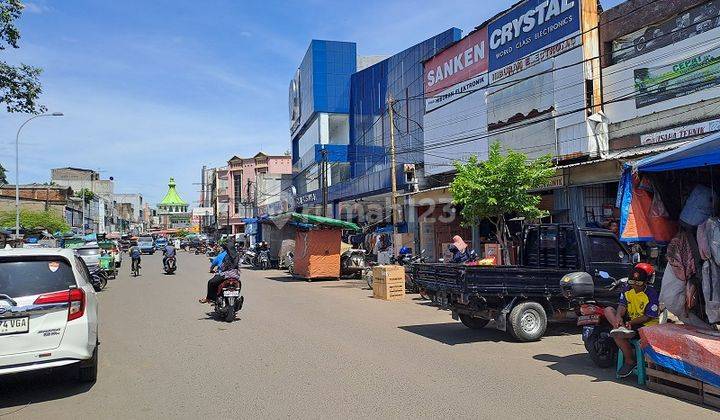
<point>229,268</point>
<point>638,307</point>
<point>168,251</point>
<point>217,261</point>
<point>135,255</point>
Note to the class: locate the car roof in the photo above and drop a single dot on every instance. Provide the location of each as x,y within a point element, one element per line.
<point>38,252</point>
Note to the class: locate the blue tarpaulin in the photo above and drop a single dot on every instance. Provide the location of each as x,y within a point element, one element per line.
<point>699,153</point>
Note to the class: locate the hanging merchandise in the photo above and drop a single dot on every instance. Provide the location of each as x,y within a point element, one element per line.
<point>637,221</point>
<point>709,245</point>
<point>672,297</point>
<point>681,260</point>
<point>699,206</point>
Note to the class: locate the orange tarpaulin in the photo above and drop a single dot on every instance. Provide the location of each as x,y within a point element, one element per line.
<point>641,224</point>
<point>317,253</point>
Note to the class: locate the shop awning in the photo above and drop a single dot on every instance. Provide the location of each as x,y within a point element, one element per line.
<point>309,220</point>
<point>698,153</point>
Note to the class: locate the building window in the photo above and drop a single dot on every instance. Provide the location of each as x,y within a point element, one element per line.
<point>237,181</point>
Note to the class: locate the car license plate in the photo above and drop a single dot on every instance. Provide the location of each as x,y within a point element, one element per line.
<point>14,325</point>
<point>231,293</point>
<point>588,320</point>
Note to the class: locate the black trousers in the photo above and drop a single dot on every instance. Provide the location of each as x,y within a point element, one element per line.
<point>212,286</point>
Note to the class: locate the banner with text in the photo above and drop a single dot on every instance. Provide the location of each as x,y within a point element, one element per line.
<point>662,83</point>
<point>529,27</point>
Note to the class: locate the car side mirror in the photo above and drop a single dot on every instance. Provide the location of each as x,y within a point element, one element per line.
<point>603,274</point>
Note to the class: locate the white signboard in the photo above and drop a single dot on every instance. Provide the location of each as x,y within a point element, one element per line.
<point>455,92</point>
<point>684,131</point>
<point>202,211</point>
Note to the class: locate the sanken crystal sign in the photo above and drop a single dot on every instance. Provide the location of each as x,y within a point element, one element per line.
<point>529,27</point>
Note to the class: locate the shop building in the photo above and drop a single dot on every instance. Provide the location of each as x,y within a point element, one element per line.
<point>319,120</point>
<point>660,73</point>
<point>242,174</point>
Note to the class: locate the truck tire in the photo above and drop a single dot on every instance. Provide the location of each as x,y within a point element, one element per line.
<point>528,321</point>
<point>473,323</point>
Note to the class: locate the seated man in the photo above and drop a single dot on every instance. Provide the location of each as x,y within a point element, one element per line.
<point>637,307</point>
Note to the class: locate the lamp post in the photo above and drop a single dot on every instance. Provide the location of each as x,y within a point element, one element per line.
<point>17,168</point>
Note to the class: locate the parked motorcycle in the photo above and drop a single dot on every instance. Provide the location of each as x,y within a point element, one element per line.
<point>352,262</point>
<point>290,263</point>
<point>229,301</point>
<point>98,278</point>
<point>170,265</point>
<point>406,259</point>
<point>579,288</point>
<point>263,259</point>
<point>249,255</point>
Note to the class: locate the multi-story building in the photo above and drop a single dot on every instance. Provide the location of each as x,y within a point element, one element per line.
<point>136,221</point>
<point>38,197</point>
<point>242,184</point>
<point>98,208</point>
<point>220,199</point>
<point>349,134</point>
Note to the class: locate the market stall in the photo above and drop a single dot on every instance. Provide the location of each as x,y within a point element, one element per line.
<point>669,205</point>
<point>317,245</point>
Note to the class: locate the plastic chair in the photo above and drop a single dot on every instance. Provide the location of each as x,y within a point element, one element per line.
<point>639,367</point>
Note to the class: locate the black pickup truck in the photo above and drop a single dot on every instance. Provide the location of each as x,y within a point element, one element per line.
<point>521,299</point>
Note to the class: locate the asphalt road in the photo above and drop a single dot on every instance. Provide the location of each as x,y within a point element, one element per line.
<point>318,350</point>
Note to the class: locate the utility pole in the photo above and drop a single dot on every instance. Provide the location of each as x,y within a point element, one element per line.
<point>324,172</point>
<point>393,175</point>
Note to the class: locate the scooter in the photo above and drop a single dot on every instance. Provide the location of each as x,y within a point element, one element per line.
<point>229,300</point>
<point>98,278</point>
<point>249,255</point>
<point>263,259</point>
<point>407,259</point>
<point>579,288</point>
<point>170,265</point>
<point>352,262</point>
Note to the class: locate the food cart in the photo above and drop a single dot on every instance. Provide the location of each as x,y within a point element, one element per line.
<point>107,260</point>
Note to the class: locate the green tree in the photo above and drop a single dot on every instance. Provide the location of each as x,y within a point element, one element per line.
<point>3,176</point>
<point>87,194</point>
<point>30,219</point>
<point>500,187</point>
<point>19,85</point>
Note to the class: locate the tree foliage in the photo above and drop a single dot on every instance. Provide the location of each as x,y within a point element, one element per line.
<point>3,176</point>
<point>30,219</point>
<point>499,187</point>
<point>86,194</point>
<point>19,85</point>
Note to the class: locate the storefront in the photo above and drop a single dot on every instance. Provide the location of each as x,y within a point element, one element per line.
<point>669,208</point>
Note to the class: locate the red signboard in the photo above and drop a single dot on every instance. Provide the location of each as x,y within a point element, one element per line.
<point>463,61</point>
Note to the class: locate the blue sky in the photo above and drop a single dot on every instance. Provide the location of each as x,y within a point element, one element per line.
<point>157,88</point>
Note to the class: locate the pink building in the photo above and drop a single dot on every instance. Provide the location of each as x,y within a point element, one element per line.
<point>242,186</point>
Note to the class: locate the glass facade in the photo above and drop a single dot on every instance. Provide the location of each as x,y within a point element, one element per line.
<point>399,77</point>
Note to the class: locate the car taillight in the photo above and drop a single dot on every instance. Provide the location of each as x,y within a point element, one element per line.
<point>74,297</point>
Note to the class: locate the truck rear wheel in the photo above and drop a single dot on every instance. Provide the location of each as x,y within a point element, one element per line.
<point>473,323</point>
<point>528,321</point>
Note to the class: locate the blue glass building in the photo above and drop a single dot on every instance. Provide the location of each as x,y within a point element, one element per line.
<point>400,77</point>
<point>319,105</point>
<point>335,108</point>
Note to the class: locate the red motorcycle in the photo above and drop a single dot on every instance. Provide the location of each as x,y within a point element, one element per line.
<point>579,288</point>
<point>228,300</point>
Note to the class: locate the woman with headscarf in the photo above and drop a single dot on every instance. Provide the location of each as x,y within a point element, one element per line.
<point>459,249</point>
<point>229,268</point>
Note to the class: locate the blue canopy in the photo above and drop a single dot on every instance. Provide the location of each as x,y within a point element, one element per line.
<point>698,153</point>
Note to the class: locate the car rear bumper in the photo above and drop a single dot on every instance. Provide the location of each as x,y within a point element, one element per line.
<point>27,367</point>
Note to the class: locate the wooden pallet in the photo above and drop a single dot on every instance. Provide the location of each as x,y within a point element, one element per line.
<point>669,382</point>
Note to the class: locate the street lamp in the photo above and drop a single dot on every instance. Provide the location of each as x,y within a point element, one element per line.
<point>17,168</point>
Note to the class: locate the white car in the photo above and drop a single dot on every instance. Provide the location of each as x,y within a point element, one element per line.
<point>48,312</point>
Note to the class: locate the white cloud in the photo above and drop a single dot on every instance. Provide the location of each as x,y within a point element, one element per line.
<point>36,8</point>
